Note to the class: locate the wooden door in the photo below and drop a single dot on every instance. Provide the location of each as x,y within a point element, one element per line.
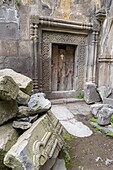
<point>63,58</point>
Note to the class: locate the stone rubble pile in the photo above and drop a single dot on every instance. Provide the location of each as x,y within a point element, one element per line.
<point>30,135</point>
<point>102,106</point>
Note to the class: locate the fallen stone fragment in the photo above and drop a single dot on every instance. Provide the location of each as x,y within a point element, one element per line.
<point>76,128</point>
<point>25,119</point>
<point>37,145</point>
<point>33,118</point>
<point>95,109</point>
<point>108,161</point>
<point>22,98</point>
<point>8,88</point>
<point>69,122</point>
<point>8,110</point>
<point>38,104</point>
<point>106,130</point>
<point>30,119</point>
<point>23,112</point>
<point>108,101</point>
<point>61,112</point>
<point>104,116</point>
<point>8,137</point>
<point>104,91</point>
<point>21,125</point>
<point>24,82</point>
<point>90,93</point>
<point>59,165</point>
<point>99,159</point>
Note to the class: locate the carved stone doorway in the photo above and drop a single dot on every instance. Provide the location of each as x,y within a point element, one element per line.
<point>63,67</point>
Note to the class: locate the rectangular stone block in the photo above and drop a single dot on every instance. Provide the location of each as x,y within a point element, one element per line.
<point>8,48</point>
<point>24,48</point>
<point>20,64</point>
<point>37,145</point>
<point>9,30</point>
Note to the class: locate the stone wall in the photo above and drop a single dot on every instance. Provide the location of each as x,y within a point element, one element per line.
<point>14,26</point>
<point>15,43</point>
<point>14,37</point>
<point>105,56</point>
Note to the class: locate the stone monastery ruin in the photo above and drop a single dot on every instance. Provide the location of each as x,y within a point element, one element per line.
<point>55,47</point>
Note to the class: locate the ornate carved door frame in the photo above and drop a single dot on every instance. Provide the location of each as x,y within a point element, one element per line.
<point>44,32</point>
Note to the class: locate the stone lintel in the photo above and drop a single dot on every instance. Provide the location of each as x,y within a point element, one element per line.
<point>61,23</point>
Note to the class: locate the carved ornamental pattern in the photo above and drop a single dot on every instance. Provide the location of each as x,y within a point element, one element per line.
<point>49,38</point>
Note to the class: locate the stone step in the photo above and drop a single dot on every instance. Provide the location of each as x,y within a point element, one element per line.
<point>66,100</point>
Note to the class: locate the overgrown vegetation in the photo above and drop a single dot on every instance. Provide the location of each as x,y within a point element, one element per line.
<point>93,119</point>
<point>94,123</point>
<point>66,154</point>
<point>80,95</point>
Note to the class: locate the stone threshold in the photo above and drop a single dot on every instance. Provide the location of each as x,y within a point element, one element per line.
<point>65,100</point>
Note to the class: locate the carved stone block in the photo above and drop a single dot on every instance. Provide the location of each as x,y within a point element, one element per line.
<point>37,145</point>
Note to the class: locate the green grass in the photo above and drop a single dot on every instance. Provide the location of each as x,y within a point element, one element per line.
<point>68,157</point>
<point>80,95</point>
<point>93,119</point>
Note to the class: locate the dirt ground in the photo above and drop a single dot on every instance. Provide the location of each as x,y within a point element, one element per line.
<point>92,152</point>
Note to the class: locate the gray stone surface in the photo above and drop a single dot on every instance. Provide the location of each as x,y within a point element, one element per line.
<point>37,145</point>
<point>108,101</point>
<point>61,112</point>
<point>90,93</point>
<point>104,91</point>
<point>49,164</point>
<point>59,165</point>
<point>95,109</point>
<point>8,110</point>
<point>38,104</point>
<point>104,116</point>
<point>22,98</point>
<point>70,123</point>
<point>33,118</point>
<point>8,88</point>
<point>8,30</point>
<point>8,48</point>
<point>23,112</point>
<point>21,125</point>
<point>8,137</point>
<point>24,82</point>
